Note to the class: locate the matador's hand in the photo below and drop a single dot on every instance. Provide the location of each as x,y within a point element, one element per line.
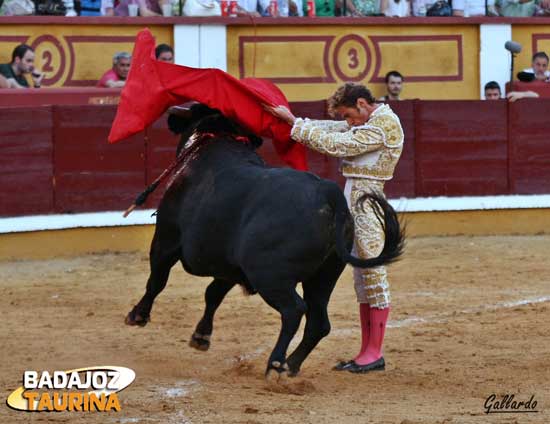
<point>281,112</point>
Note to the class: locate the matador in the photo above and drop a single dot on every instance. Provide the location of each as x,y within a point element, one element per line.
<point>369,141</point>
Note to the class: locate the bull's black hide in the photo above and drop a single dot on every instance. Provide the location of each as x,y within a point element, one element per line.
<point>229,216</point>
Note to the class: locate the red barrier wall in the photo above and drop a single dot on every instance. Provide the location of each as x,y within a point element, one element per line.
<point>59,96</point>
<point>539,87</point>
<point>529,149</point>
<point>89,172</point>
<point>461,148</point>
<point>26,161</point>
<point>56,159</point>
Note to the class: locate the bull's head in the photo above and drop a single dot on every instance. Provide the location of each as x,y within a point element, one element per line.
<point>197,118</point>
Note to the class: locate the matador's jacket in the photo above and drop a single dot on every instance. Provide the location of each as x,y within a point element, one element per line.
<point>370,153</point>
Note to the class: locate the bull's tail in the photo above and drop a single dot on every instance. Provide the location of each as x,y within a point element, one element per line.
<point>386,215</point>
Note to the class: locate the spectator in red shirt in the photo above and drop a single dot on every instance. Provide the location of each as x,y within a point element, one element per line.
<point>116,77</point>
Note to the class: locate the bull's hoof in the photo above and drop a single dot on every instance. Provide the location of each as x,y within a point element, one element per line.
<point>276,373</point>
<point>134,318</point>
<point>293,370</point>
<point>200,341</point>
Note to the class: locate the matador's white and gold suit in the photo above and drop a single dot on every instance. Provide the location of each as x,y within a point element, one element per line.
<point>370,153</point>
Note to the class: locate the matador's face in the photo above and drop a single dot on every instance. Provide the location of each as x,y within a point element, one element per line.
<point>358,115</point>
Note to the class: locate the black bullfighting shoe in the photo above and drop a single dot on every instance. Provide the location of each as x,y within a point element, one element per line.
<point>378,365</point>
<point>344,365</point>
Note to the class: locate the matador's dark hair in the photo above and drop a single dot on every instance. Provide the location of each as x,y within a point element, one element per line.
<point>347,96</point>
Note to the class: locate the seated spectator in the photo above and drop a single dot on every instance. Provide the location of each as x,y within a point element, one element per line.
<point>116,77</point>
<point>251,7</point>
<point>516,8</point>
<point>539,67</point>
<point>395,8</point>
<point>4,83</point>
<point>355,7</point>
<point>164,53</point>
<point>295,8</point>
<point>17,8</point>
<point>90,7</point>
<point>22,62</point>
<point>492,91</point>
<point>420,7</point>
<point>394,86</point>
<point>543,8</point>
<point>146,7</point>
<point>107,8</point>
<point>512,96</point>
<point>474,8</point>
<point>69,6</point>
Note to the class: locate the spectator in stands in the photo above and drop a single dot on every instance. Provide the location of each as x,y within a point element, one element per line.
<point>116,77</point>
<point>474,8</point>
<point>394,86</point>
<point>295,8</point>
<point>539,67</point>
<point>419,7</point>
<point>91,7</point>
<point>516,8</point>
<point>396,8</point>
<point>4,83</point>
<point>492,91</point>
<point>107,8</point>
<point>22,62</point>
<point>543,8</point>
<point>251,7</point>
<point>164,53</point>
<point>146,7</point>
<point>355,7</point>
<point>512,96</point>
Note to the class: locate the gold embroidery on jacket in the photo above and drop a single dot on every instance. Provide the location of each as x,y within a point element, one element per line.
<point>370,151</point>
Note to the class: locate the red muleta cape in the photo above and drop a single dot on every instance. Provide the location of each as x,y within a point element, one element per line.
<point>153,86</point>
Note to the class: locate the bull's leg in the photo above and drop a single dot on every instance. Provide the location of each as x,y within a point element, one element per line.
<point>317,291</point>
<point>161,259</point>
<point>291,306</point>
<point>213,297</point>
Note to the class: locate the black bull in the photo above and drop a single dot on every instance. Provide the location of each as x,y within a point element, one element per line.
<point>229,216</point>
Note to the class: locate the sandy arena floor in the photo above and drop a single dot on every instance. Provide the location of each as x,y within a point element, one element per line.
<point>470,318</point>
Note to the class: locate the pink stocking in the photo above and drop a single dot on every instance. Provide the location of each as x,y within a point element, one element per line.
<point>378,319</point>
<point>365,327</point>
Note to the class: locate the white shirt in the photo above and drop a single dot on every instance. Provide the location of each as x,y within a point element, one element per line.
<point>400,9</point>
<point>472,7</point>
<point>532,71</point>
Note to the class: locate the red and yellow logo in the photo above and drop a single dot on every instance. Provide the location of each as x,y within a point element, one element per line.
<point>82,389</point>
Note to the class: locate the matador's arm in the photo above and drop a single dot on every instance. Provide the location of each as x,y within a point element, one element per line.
<point>353,142</point>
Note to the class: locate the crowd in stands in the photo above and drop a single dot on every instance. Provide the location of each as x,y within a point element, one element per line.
<point>14,74</point>
<point>257,8</point>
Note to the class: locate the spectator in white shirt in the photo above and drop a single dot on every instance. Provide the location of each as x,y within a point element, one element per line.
<point>474,8</point>
<point>539,67</point>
